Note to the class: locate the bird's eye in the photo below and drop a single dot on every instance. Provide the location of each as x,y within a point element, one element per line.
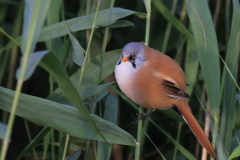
<point>134,55</point>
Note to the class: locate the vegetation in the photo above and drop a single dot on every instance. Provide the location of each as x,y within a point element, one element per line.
<point>58,96</point>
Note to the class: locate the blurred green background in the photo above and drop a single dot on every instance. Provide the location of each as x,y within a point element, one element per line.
<point>197,34</point>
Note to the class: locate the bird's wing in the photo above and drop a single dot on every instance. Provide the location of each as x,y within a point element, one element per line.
<point>174,91</point>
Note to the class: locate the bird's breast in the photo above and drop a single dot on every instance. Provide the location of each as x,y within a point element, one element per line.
<point>125,74</point>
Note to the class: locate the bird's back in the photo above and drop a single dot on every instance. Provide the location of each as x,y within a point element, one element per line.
<point>166,66</point>
<point>157,68</point>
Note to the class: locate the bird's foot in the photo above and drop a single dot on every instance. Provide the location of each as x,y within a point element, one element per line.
<point>141,116</point>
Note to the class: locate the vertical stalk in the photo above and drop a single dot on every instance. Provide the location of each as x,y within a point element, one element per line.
<point>139,136</point>
<point>140,123</point>
<point>81,75</point>
<point>30,138</point>
<point>178,56</point>
<point>4,58</point>
<point>52,130</point>
<point>65,147</point>
<point>16,32</point>
<point>145,127</point>
<point>46,140</point>
<point>206,130</point>
<point>52,146</point>
<point>51,83</point>
<point>139,133</point>
<point>215,19</point>
<point>227,21</point>
<point>147,29</point>
<point>88,48</point>
<point>88,6</point>
<point>178,136</point>
<point>202,111</point>
<point>105,39</point>
<point>20,81</point>
<point>137,151</point>
<point>81,11</point>
<point>104,46</point>
<point>87,146</point>
<point>12,67</point>
<point>168,29</point>
<point>60,134</point>
<point>11,118</point>
<point>88,43</point>
<point>182,38</point>
<point>214,134</point>
<point>51,91</point>
<point>63,19</point>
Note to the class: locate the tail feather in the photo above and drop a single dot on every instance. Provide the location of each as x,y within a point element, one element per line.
<point>195,127</point>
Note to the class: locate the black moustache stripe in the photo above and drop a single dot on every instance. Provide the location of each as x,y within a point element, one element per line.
<point>119,62</point>
<point>134,65</point>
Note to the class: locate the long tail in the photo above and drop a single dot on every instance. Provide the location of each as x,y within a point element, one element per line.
<point>195,127</point>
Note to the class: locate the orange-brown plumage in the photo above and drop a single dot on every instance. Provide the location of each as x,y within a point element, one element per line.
<point>157,67</point>
<point>195,127</point>
<point>157,81</point>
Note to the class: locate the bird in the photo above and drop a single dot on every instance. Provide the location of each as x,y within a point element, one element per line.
<point>154,80</point>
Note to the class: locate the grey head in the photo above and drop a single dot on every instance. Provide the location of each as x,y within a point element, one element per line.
<point>134,52</point>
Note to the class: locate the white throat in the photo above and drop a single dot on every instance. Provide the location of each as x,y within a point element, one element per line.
<point>124,74</point>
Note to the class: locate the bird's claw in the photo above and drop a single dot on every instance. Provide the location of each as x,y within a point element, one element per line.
<point>141,117</point>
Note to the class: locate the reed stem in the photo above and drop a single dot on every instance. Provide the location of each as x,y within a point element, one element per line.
<point>65,147</point>
<point>20,80</point>
<point>168,29</point>
<point>88,48</point>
